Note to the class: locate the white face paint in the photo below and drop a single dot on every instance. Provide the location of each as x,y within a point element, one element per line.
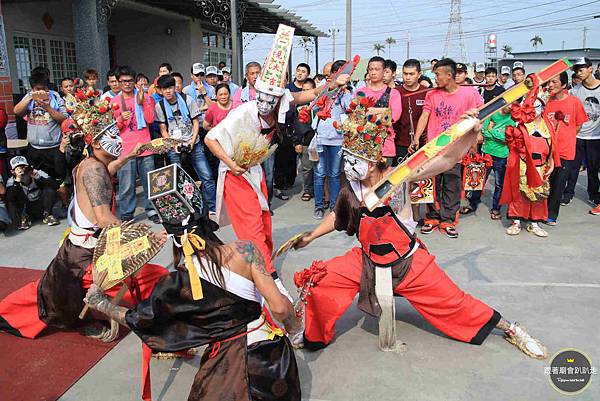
<point>111,141</point>
<point>265,103</point>
<point>356,169</point>
<point>539,107</point>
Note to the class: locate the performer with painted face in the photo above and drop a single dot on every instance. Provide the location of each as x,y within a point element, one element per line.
<point>217,296</point>
<point>387,242</point>
<point>57,298</point>
<point>245,138</point>
<point>531,161</point>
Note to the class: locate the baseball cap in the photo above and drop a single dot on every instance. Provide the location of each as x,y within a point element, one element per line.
<point>479,67</point>
<point>518,64</point>
<point>461,67</point>
<point>582,62</point>
<point>211,69</point>
<point>198,68</point>
<point>226,70</point>
<point>18,161</point>
<point>505,70</point>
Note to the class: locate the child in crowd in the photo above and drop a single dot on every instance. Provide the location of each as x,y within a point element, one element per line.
<point>91,78</point>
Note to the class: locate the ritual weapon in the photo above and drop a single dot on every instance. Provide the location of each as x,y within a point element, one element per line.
<point>289,244</point>
<point>160,145</point>
<point>323,103</point>
<point>403,172</point>
<point>305,280</point>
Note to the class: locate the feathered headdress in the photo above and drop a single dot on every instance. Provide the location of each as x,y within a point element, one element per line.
<point>364,134</point>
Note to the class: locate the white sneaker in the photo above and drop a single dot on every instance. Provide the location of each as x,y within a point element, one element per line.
<point>297,340</point>
<point>514,229</point>
<point>537,230</point>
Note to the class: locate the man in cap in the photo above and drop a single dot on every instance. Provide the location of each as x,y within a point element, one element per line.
<point>518,72</point>
<point>503,78</point>
<point>461,74</point>
<point>30,193</point>
<point>227,80</point>
<point>479,77</point>
<point>199,90</point>
<point>588,137</point>
<point>212,79</point>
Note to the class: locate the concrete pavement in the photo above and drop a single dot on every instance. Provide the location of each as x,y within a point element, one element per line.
<point>551,286</point>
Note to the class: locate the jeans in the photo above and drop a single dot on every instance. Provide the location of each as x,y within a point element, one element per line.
<point>204,172</point>
<point>329,165</point>
<point>127,175</point>
<point>499,168</point>
<point>558,182</point>
<point>308,177</point>
<point>268,166</point>
<point>587,149</point>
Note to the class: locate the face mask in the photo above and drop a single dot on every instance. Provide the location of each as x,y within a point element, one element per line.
<point>111,144</point>
<point>355,169</point>
<point>265,103</point>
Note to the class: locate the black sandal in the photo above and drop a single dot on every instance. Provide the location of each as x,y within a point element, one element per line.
<point>495,215</point>
<point>306,197</point>
<point>282,196</point>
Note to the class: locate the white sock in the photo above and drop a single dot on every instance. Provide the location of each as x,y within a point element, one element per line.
<point>517,222</point>
<point>534,225</point>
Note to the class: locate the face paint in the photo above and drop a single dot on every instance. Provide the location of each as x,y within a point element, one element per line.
<point>539,107</point>
<point>111,141</point>
<point>265,103</point>
<point>356,169</point>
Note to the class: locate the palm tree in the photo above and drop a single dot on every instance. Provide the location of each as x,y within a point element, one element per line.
<point>390,41</point>
<point>378,47</point>
<point>535,41</point>
<point>506,49</point>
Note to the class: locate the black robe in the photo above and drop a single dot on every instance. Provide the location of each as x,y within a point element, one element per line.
<point>170,320</point>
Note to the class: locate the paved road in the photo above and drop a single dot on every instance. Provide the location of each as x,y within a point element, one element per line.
<point>551,285</point>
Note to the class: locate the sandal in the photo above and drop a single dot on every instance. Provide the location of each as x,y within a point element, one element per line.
<point>306,197</point>
<point>495,215</point>
<point>467,210</point>
<point>451,231</point>
<point>326,204</point>
<point>514,229</point>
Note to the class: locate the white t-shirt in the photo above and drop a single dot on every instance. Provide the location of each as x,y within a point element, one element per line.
<point>590,98</point>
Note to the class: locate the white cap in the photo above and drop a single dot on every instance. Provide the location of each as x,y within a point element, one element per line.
<point>18,161</point>
<point>479,67</point>
<point>505,70</point>
<point>582,61</point>
<point>226,70</point>
<point>211,69</point>
<point>198,68</point>
<point>518,64</point>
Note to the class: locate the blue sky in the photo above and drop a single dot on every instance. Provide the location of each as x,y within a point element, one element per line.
<point>426,21</point>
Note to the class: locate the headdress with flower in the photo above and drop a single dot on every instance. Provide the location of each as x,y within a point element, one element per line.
<point>92,115</point>
<point>364,134</point>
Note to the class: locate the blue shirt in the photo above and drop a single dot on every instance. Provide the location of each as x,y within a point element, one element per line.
<point>326,133</point>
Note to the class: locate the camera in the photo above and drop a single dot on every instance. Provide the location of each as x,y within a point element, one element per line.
<point>185,148</point>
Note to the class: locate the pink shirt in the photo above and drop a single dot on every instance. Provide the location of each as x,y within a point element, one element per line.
<point>215,114</point>
<point>237,96</point>
<point>395,105</point>
<point>446,108</point>
<point>129,132</point>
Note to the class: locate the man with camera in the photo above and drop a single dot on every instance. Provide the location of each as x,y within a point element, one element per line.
<point>30,194</point>
<point>178,117</point>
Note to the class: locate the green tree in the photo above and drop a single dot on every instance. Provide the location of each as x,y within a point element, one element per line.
<point>378,47</point>
<point>390,41</point>
<point>535,41</point>
<point>506,49</point>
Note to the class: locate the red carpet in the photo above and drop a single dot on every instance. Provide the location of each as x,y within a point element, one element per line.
<point>45,368</point>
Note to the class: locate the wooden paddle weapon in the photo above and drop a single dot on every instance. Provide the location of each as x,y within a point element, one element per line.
<point>392,180</point>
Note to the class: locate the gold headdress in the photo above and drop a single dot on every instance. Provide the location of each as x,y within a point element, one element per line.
<point>364,134</point>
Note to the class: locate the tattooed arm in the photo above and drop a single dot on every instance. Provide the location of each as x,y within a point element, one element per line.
<point>281,307</point>
<point>99,189</point>
<point>96,300</point>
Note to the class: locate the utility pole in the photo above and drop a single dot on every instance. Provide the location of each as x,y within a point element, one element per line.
<point>333,32</point>
<point>585,29</point>
<point>563,45</point>
<point>408,46</point>
<point>348,29</point>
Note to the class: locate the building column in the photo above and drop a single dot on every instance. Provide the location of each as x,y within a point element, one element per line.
<point>90,22</point>
<point>6,97</point>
